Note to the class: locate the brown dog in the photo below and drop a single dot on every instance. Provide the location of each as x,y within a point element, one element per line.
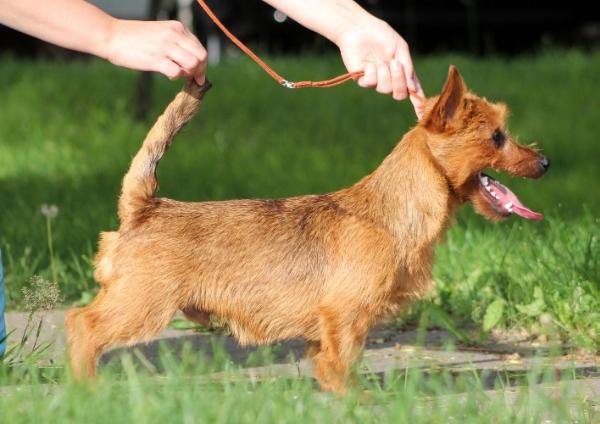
<point>325,267</point>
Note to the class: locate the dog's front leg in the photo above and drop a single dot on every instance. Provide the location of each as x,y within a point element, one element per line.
<point>343,335</point>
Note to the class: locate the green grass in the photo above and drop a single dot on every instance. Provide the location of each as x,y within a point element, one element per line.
<point>182,393</point>
<point>66,137</point>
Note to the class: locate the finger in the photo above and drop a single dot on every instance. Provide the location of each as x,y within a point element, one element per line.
<point>200,76</point>
<point>419,90</point>
<point>185,59</point>
<point>189,42</point>
<point>384,79</point>
<point>417,96</point>
<point>399,91</point>
<point>403,57</point>
<point>169,68</point>
<point>369,79</point>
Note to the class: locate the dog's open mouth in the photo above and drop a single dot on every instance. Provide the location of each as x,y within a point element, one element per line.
<point>502,200</point>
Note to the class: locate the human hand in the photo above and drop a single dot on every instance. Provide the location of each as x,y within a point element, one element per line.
<point>167,47</point>
<point>382,54</point>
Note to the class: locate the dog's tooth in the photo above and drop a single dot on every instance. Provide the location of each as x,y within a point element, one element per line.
<point>510,209</point>
<point>484,180</point>
<point>496,196</point>
<point>508,205</point>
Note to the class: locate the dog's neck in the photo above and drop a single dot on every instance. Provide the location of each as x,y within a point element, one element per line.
<point>408,194</point>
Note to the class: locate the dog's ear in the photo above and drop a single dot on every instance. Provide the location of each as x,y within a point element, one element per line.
<point>449,103</point>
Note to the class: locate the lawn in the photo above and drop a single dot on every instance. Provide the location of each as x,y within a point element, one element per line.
<point>137,397</point>
<point>67,135</point>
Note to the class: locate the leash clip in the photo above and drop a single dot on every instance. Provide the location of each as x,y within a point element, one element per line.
<point>288,84</point>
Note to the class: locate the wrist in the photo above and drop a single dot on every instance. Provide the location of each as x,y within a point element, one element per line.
<point>357,20</point>
<point>104,37</point>
<point>330,18</point>
<point>359,23</point>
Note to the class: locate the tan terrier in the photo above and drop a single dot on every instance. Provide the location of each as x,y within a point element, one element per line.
<point>324,268</point>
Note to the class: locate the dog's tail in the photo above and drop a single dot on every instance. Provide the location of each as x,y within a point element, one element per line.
<point>139,184</point>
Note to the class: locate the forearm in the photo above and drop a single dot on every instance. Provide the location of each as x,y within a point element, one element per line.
<point>73,24</point>
<point>327,17</point>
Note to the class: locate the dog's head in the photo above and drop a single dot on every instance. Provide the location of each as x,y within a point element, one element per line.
<point>466,135</point>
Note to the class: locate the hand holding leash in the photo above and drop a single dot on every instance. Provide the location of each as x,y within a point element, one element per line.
<point>361,49</point>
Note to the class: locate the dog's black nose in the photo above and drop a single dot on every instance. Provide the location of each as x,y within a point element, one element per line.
<point>545,163</point>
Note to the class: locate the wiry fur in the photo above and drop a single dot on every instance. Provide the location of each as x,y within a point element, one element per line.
<point>320,267</point>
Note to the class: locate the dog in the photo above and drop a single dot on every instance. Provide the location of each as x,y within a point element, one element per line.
<point>324,268</point>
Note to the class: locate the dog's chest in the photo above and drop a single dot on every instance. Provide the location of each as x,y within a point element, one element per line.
<point>413,276</point>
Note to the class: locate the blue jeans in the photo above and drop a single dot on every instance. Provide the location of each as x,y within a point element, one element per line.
<point>2,323</point>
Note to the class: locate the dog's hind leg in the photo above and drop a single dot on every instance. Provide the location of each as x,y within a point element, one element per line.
<point>342,339</point>
<point>78,339</point>
<point>114,317</point>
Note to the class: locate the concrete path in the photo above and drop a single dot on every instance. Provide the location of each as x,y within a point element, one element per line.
<point>53,332</point>
<point>386,350</point>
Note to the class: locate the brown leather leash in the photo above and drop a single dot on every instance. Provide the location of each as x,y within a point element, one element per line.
<point>282,81</point>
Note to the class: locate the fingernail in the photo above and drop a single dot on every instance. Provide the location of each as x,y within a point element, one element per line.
<point>411,83</point>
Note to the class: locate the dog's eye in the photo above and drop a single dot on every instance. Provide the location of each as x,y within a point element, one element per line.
<point>498,138</point>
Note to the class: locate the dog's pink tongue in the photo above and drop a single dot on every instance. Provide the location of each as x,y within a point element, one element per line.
<point>525,212</point>
<point>518,207</point>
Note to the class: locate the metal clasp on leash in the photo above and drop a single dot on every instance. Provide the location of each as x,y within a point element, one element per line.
<point>288,84</point>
